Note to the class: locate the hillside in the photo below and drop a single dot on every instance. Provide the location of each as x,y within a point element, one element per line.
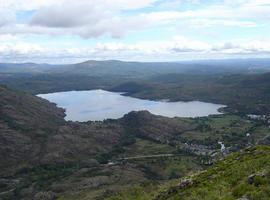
<point>34,135</point>
<point>23,111</point>
<point>25,121</point>
<point>241,175</point>
<point>242,93</point>
<point>244,175</point>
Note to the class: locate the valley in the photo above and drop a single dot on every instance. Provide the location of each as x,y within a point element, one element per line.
<point>136,155</point>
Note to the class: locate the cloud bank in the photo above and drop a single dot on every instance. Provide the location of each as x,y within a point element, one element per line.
<point>177,48</point>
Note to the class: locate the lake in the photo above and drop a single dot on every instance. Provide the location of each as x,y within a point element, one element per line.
<point>99,105</point>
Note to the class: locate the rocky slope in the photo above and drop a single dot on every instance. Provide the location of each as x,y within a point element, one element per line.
<point>25,123</point>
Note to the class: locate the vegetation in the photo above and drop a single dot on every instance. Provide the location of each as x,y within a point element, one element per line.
<point>242,93</point>
<point>231,129</point>
<point>241,175</point>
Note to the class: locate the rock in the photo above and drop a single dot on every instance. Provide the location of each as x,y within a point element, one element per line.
<point>252,176</point>
<point>185,183</point>
<point>45,196</point>
<point>243,198</point>
<point>251,179</point>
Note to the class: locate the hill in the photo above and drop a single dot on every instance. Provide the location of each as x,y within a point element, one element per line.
<point>242,93</point>
<point>33,133</point>
<point>244,175</point>
<point>122,68</point>
<point>24,121</point>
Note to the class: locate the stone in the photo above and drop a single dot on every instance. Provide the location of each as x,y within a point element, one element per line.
<point>184,183</point>
<point>45,196</point>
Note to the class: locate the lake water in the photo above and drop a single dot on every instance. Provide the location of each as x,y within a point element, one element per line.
<point>99,105</point>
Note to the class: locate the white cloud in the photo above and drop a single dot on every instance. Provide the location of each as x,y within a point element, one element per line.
<point>244,47</point>
<point>70,14</point>
<point>26,5</point>
<point>176,48</point>
<point>90,18</point>
<point>126,5</point>
<point>98,17</point>
<point>6,18</point>
<point>67,17</point>
<point>109,4</point>
<point>220,22</point>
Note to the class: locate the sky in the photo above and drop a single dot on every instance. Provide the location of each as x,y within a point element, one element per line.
<point>68,31</point>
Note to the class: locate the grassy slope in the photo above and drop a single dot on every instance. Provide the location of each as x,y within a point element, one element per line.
<point>226,180</point>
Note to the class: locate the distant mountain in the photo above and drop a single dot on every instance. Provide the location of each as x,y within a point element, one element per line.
<point>120,68</point>
<point>25,68</point>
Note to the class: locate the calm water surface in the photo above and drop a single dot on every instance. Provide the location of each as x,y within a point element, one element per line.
<point>100,105</point>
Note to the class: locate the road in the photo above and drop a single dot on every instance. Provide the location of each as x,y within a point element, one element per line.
<point>147,156</point>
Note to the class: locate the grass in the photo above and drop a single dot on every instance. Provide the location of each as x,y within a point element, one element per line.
<point>147,147</point>
<point>160,168</point>
<point>226,180</point>
<point>143,191</point>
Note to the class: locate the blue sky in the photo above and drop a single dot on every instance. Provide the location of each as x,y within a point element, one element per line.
<point>67,31</point>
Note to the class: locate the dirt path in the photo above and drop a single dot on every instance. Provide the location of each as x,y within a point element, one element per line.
<point>147,156</point>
